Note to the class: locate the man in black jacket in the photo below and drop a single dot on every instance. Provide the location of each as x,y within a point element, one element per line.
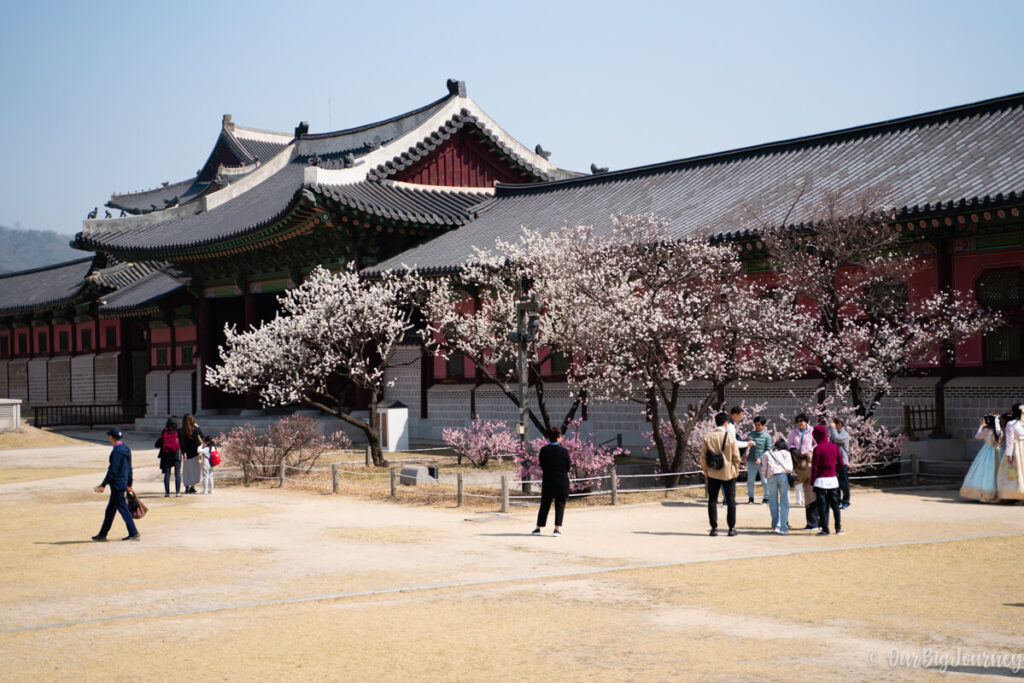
<point>119,477</point>
<point>555,464</point>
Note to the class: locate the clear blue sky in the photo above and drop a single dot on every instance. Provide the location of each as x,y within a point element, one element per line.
<point>101,97</point>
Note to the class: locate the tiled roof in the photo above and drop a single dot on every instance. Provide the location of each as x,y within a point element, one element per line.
<point>405,202</point>
<point>260,196</point>
<point>42,287</point>
<point>161,197</point>
<point>124,274</point>
<point>142,295</point>
<point>261,205</point>
<point>959,154</point>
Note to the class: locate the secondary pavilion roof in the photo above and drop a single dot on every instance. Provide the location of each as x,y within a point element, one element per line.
<point>142,296</point>
<point>966,155</point>
<point>63,284</point>
<point>277,194</point>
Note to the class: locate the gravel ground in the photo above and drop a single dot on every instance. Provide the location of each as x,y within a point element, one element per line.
<point>290,584</point>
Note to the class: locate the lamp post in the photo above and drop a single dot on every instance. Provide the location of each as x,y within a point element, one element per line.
<point>527,327</point>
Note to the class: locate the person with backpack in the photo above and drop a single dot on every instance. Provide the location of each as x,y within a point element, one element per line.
<point>211,458</point>
<point>191,438</point>
<point>720,462</point>
<point>169,453</point>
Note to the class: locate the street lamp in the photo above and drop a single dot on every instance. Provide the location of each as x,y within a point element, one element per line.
<point>527,329</point>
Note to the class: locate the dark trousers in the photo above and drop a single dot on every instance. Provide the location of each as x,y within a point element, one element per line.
<point>813,508</point>
<point>545,505</point>
<point>828,498</point>
<point>729,488</point>
<point>843,473</point>
<point>177,477</point>
<point>117,503</point>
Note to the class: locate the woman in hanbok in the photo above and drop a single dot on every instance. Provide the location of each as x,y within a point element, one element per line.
<point>1010,478</point>
<point>980,482</point>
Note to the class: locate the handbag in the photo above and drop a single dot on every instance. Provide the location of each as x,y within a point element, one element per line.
<point>716,461</point>
<point>791,478</point>
<point>136,506</point>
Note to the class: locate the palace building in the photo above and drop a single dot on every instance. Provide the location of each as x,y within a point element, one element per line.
<point>130,328</point>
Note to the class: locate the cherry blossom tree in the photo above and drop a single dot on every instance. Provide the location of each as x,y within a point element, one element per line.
<point>850,272</point>
<point>472,315</point>
<point>333,334</point>
<point>652,315</point>
<point>482,441</point>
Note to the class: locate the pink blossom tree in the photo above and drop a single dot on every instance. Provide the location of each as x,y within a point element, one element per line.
<point>588,458</point>
<point>848,272</point>
<point>482,441</point>
<point>334,333</point>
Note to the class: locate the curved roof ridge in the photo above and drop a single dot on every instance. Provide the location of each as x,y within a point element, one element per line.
<point>52,266</point>
<point>788,144</point>
<point>138,193</point>
<point>383,122</point>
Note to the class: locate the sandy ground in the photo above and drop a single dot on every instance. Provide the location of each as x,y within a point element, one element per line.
<point>282,584</point>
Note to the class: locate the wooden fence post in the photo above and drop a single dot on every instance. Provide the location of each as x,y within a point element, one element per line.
<point>458,480</point>
<point>368,456</point>
<point>334,477</point>
<point>280,481</point>
<point>615,486</point>
<point>394,489</point>
<point>914,467</point>
<point>504,492</point>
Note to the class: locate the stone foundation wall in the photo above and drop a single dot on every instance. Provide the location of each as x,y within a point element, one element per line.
<point>17,377</point>
<point>58,380</point>
<point>37,392</point>
<point>156,394</point>
<point>81,379</point>
<point>105,369</point>
<point>181,392</point>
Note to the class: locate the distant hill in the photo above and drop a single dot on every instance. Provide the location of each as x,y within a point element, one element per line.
<point>23,249</point>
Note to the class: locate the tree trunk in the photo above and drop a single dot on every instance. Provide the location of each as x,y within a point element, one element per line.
<point>369,429</point>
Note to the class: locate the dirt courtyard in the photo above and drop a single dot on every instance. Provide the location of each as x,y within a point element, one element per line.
<point>280,584</point>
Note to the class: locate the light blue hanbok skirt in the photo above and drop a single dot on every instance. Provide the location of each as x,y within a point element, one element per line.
<point>980,482</point>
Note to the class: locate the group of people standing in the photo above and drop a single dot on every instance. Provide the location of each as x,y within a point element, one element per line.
<point>996,473</point>
<point>814,461</point>
<point>188,441</point>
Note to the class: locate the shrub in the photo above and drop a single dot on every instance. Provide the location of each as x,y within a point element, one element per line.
<point>482,441</point>
<point>292,440</point>
<point>587,457</point>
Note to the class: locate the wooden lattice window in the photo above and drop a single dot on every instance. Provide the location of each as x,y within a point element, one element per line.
<point>1001,289</point>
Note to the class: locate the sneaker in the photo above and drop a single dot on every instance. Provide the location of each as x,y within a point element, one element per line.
<point>839,532</point>
<point>844,506</point>
<point>750,501</point>
<point>535,532</point>
<point>714,532</point>
<point>167,495</point>
<point>177,495</point>
<point>97,537</point>
<point>784,532</point>
<point>822,533</point>
<point>810,527</point>
<point>136,537</point>
<point>764,501</point>
<point>557,533</point>
<point>776,530</point>
<point>732,532</point>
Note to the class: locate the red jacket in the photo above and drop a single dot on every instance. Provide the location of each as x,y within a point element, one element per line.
<point>826,456</point>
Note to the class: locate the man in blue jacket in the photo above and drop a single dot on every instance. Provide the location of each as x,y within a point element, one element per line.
<point>119,478</point>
